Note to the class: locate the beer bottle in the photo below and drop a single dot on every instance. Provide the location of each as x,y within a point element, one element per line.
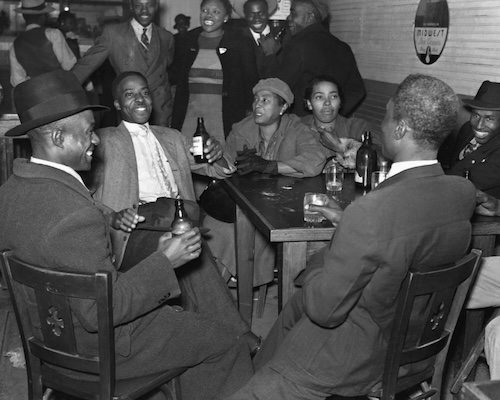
<point>366,162</point>
<point>181,223</point>
<point>200,138</point>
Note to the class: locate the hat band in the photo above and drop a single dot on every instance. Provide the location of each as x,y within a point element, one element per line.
<point>65,102</point>
<point>36,8</point>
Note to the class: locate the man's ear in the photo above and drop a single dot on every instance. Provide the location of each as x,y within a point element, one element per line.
<point>401,129</point>
<point>57,137</point>
<point>117,105</point>
<point>283,108</point>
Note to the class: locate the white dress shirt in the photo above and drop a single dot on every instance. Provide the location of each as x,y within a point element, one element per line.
<point>152,164</point>
<point>399,167</point>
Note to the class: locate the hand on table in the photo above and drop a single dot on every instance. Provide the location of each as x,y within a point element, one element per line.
<point>125,220</point>
<point>486,204</point>
<point>248,161</point>
<point>331,211</point>
<point>181,249</point>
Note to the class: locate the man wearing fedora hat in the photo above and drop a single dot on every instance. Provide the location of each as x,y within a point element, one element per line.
<point>38,49</point>
<point>136,45</point>
<point>50,219</point>
<point>477,147</point>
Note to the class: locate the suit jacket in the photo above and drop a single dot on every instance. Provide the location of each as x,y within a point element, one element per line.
<point>115,176</point>
<point>119,43</point>
<point>416,219</point>
<point>68,230</point>
<point>311,52</point>
<point>483,163</point>
<point>240,75</point>
<point>259,54</point>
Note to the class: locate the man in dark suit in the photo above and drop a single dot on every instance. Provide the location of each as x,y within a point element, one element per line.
<point>331,337</point>
<point>313,51</point>
<point>477,147</point>
<point>136,45</point>
<point>256,14</point>
<point>50,219</point>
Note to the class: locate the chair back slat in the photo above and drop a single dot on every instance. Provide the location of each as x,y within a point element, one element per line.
<point>41,300</point>
<point>428,307</point>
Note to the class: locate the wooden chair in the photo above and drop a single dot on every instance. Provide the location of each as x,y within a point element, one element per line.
<point>48,292</point>
<point>428,308</point>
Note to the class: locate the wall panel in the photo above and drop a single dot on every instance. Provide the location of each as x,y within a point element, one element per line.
<point>380,33</point>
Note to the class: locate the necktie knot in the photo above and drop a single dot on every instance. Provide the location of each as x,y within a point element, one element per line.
<point>144,38</point>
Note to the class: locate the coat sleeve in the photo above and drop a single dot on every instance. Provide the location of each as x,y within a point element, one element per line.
<point>330,292</point>
<point>353,84</point>
<point>309,158</point>
<point>94,57</point>
<point>80,242</point>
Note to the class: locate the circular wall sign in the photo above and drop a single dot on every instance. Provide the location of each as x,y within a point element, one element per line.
<point>431,29</point>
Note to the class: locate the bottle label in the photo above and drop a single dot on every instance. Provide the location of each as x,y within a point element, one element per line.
<point>357,177</point>
<point>198,146</point>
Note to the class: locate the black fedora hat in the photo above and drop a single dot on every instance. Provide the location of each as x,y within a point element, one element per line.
<point>487,97</point>
<point>181,17</point>
<point>48,98</point>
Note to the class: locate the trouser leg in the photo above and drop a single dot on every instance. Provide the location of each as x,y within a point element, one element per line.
<point>492,347</point>
<point>218,359</point>
<point>289,316</point>
<point>485,291</point>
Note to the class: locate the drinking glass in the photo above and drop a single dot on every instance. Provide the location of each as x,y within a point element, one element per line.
<point>319,199</point>
<point>377,178</point>
<point>334,177</point>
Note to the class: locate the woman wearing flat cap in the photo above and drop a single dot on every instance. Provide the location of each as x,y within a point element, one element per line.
<point>274,142</point>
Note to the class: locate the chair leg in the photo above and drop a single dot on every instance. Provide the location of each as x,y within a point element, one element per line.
<point>467,366</point>
<point>261,301</point>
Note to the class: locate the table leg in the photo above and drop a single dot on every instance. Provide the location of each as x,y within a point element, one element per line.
<point>292,261</point>
<point>245,239</point>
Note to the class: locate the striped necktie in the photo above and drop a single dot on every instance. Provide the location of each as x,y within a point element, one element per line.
<point>144,38</point>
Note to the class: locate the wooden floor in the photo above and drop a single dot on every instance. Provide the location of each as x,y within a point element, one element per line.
<point>13,384</point>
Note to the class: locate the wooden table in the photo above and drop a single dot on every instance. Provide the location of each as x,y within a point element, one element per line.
<point>273,205</point>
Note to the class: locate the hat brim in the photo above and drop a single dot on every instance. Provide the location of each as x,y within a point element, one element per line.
<point>23,128</point>
<point>47,9</point>
<point>481,105</point>
<point>238,7</point>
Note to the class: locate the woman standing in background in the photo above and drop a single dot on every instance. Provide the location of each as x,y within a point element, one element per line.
<point>217,71</point>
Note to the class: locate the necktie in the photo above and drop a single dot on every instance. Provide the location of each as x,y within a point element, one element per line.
<point>144,38</point>
<point>158,165</point>
<point>471,146</point>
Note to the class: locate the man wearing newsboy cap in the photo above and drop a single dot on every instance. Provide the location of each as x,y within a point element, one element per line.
<point>50,219</point>
<point>477,147</point>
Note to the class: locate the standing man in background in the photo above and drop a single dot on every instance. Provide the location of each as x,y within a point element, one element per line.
<point>257,13</point>
<point>38,49</point>
<point>136,45</point>
<point>313,51</point>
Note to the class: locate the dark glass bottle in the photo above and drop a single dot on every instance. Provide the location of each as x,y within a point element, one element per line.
<point>366,162</point>
<point>181,223</point>
<point>200,138</point>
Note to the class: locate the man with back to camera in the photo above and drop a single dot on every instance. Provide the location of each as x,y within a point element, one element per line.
<point>38,49</point>
<point>331,337</point>
<point>477,146</point>
<point>136,45</point>
<point>313,51</point>
<point>50,219</point>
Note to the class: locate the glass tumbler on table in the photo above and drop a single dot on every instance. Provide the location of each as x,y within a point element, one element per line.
<point>319,199</point>
<point>334,177</point>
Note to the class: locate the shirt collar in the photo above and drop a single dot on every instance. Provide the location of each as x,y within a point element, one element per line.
<point>139,29</point>
<point>61,167</point>
<point>137,129</point>
<point>32,26</point>
<point>256,36</point>
<point>399,167</point>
